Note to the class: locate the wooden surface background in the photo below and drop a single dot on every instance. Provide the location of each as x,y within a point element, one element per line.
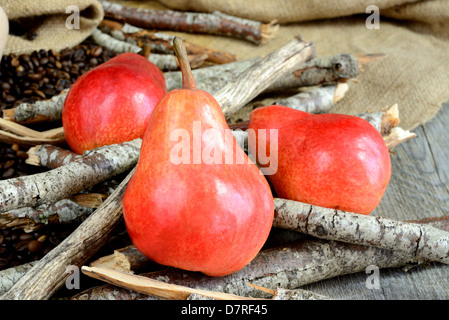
<point>419,188</point>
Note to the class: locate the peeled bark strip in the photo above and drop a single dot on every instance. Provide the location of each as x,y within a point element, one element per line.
<point>12,132</point>
<point>262,74</point>
<point>316,100</point>
<point>153,287</point>
<point>215,23</point>
<point>49,273</point>
<point>48,187</point>
<point>420,241</point>
<point>39,111</point>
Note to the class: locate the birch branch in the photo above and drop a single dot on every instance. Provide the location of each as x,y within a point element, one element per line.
<point>262,74</point>
<point>49,273</point>
<point>215,23</point>
<point>39,111</point>
<point>162,43</point>
<point>420,241</point>
<point>48,187</point>
<point>289,267</point>
<point>316,100</point>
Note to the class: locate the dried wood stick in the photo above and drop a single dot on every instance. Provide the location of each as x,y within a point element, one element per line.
<point>415,240</point>
<point>129,259</point>
<point>62,211</point>
<point>48,187</point>
<point>112,43</point>
<point>8,277</point>
<point>290,266</point>
<point>39,111</point>
<point>316,100</point>
<point>50,156</point>
<point>322,70</point>
<point>153,287</point>
<point>291,294</point>
<point>49,273</point>
<point>12,132</point>
<point>262,74</point>
<point>397,136</point>
<point>215,23</point>
<point>163,43</point>
<point>211,79</point>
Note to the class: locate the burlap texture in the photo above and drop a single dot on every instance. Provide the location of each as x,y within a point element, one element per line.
<point>52,32</point>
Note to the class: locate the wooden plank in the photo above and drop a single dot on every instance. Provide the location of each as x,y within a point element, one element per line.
<point>419,188</point>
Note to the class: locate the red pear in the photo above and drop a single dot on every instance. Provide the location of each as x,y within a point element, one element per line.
<point>329,160</point>
<point>189,204</point>
<point>112,103</point>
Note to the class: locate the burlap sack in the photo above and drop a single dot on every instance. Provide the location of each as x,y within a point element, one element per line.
<point>51,17</point>
<point>413,34</point>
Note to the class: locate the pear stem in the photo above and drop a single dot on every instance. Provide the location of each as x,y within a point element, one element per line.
<point>188,82</point>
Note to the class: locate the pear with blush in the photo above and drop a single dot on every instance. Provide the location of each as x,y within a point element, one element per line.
<point>112,103</point>
<point>197,214</point>
<point>329,160</point>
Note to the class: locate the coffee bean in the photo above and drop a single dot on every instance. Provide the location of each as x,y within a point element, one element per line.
<point>9,173</point>
<point>26,236</point>
<point>21,245</point>
<point>4,263</point>
<point>34,246</point>
<point>19,74</point>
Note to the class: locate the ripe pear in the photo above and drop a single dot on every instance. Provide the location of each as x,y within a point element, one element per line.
<point>329,160</point>
<point>196,214</point>
<point>112,103</point>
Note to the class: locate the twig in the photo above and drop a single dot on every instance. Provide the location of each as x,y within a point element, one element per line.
<point>420,241</point>
<point>49,274</point>
<point>209,23</point>
<point>62,211</point>
<point>262,74</point>
<point>48,187</point>
<point>316,100</point>
<point>162,43</point>
<point>323,70</point>
<point>290,266</point>
<point>12,132</point>
<point>39,111</point>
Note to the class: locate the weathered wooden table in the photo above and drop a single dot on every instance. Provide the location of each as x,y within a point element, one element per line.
<point>419,188</point>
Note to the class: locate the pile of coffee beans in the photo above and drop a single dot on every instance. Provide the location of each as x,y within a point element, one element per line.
<point>28,78</point>
<point>18,247</point>
<point>42,74</point>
